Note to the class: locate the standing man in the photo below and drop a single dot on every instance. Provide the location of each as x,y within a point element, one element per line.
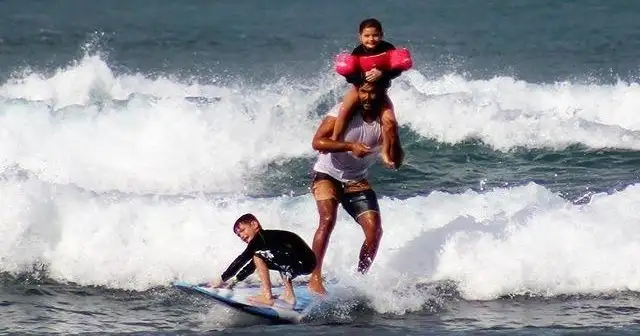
<point>340,175</point>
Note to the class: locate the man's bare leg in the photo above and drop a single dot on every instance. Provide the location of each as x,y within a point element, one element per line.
<point>263,272</point>
<point>327,210</point>
<point>372,227</point>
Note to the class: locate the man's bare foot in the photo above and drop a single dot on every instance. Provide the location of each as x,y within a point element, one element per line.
<point>316,286</point>
<point>260,299</point>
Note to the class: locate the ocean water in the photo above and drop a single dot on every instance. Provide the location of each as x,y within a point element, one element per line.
<point>132,134</point>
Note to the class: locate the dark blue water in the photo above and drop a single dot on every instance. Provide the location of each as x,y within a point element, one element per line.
<point>133,133</point>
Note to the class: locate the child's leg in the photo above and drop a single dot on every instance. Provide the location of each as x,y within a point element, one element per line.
<point>389,107</point>
<point>389,135</point>
<point>349,100</point>
<point>289,295</point>
<point>265,280</point>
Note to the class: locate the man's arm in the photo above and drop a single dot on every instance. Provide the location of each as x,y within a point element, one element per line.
<point>322,139</point>
<point>323,143</point>
<point>390,130</point>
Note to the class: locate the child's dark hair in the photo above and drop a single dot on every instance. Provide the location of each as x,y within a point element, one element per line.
<point>244,219</point>
<point>370,23</point>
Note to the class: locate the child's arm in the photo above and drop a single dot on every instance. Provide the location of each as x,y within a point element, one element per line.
<point>393,72</point>
<point>400,61</point>
<point>234,268</point>
<point>347,66</point>
<point>344,115</point>
<point>246,271</point>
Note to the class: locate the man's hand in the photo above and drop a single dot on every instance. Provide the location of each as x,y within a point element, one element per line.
<point>359,150</point>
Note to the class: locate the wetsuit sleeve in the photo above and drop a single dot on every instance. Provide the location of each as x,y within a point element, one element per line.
<point>241,260</point>
<point>246,271</point>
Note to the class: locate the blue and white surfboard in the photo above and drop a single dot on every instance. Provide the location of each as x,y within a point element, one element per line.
<point>280,312</point>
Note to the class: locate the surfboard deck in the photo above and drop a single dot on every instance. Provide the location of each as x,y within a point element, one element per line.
<point>280,312</point>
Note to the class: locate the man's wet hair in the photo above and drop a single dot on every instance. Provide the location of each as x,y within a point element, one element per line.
<point>376,86</point>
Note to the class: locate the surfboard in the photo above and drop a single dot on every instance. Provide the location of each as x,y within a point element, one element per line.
<point>236,298</point>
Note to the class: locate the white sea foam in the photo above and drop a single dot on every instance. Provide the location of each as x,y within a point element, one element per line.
<point>507,241</point>
<point>66,141</point>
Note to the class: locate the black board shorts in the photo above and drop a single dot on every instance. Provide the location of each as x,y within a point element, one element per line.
<point>356,197</point>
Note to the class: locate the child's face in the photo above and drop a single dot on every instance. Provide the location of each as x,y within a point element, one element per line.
<point>246,231</point>
<point>370,37</point>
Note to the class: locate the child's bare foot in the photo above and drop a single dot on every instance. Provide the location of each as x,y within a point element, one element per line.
<point>288,298</point>
<point>260,299</point>
<point>387,161</point>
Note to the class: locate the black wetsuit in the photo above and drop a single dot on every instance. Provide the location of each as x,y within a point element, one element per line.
<point>282,251</point>
<point>358,77</point>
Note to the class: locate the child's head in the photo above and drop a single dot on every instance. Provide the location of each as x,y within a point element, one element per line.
<point>370,33</point>
<point>246,227</point>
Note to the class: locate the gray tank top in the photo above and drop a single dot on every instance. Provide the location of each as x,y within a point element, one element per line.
<point>343,166</point>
